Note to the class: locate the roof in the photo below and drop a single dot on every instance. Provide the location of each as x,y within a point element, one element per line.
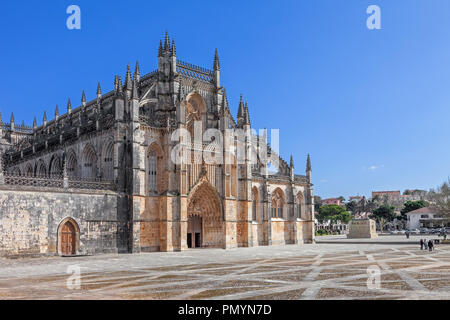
<point>424,210</point>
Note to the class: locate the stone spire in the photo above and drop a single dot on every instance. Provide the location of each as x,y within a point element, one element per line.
<point>216,61</point>
<point>308,168</point>
<point>291,168</point>
<point>34,123</point>
<point>128,82</point>
<point>11,122</point>
<point>167,42</point>
<point>174,49</point>
<point>224,100</point>
<point>240,115</point>
<point>308,163</point>
<point>241,108</point>
<point>116,84</point>
<point>56,113</point>
<point>216,70</point>
<point>99,91</point>
<point>83,99</point>
<point>69,107</point>
<point>119,89</point>
<point>137,72</point>
<point>246,115</point>
<point>45,118</point>
<point>119,84</point>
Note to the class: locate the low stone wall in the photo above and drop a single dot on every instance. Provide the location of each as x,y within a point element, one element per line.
<point>30,219</point>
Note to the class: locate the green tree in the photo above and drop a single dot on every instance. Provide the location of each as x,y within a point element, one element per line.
<point>345,217</point>
<point>334,213</point>
<point>413,205</point>
<point>383,214</point>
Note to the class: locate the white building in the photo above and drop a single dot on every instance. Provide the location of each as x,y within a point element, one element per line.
<point>425,217</point>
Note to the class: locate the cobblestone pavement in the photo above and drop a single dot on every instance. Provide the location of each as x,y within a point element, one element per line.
<point>321,271</point>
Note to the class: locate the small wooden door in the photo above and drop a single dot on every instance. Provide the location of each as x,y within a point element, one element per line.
<point>68,238</point>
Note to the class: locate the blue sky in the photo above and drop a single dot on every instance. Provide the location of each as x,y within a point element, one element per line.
<point>371,107</point>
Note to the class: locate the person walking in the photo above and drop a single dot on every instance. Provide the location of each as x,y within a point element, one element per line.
<point>421,244</point>
<point>425,245</point>
<point>407,234</point>
<point>430,245</point>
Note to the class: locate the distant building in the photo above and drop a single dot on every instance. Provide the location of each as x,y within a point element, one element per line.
<point>393,195</point>
<point>425,218</point>
<point>408,195</point>
<point>336,201</point>
<point>411,197</point>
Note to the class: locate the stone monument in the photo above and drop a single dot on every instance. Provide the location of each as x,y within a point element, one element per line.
<point>362,228</point>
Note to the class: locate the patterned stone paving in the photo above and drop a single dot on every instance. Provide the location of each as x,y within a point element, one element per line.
<point>406,273</point>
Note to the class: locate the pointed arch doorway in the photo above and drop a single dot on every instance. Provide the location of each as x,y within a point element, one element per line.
<point>68,237</point>
<point>194,236</point>
<point>204,217</point>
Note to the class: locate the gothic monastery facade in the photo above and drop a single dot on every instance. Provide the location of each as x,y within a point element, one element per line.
<point>101,177</point>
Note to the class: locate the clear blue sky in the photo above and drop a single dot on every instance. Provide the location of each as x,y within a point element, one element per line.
<point>371,107</point>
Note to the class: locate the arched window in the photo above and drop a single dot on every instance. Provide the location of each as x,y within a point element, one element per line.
<point>254,204</point>
<point>89,164</point>
<point>153,167</point>
<point>300,206</point>
<point>29,170</point>
<point>152,172</point>
<point>72,164</point>
<point>41,170</point>
<point>277,204</point>
<point>233,169</point>
<point>55,169</point>
<point>195,111</point>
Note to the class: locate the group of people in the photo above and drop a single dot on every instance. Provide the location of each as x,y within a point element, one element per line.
<point>424,244</point>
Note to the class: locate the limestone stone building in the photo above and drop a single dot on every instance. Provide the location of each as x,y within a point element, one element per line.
<point>102,177</point>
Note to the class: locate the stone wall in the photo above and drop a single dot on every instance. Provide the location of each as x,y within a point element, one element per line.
<point>30,219</point>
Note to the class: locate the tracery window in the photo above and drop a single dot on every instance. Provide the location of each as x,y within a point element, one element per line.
<point>300,206</point>
<point>152,172</point>
<point>277,202</point>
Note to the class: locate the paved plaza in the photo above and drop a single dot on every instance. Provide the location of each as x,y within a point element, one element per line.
<point>321,271</point>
